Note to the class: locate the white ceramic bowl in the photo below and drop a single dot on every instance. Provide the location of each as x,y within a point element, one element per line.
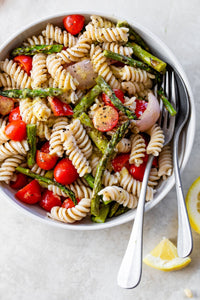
<point>187,138</point>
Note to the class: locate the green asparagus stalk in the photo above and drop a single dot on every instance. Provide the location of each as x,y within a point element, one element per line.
<point>147,57</point>
<point>96,136</point>
<point>166,103</point>
<point>90,180</point>
<point>117,136</point>
<point>128,61</point>
<point>113,209</point>
<point>32,50</point>
<point>133,35</point>
<point>48,174</point>
<point>103,213</point>
<point>115,101</point>
<point>86,101</point>
<point>31,139</point>
<point>48,181</point>
<point>28,93</point>
<point>121,210</point>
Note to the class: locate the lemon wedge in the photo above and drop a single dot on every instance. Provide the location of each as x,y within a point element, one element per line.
<point>193,204</point>
<point>164,257</point>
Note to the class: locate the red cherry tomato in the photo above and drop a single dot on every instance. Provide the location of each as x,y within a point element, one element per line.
<point>16,130</point>
<point>25,63</point>
<point>45,161</point>
<point>6,105</point>
<point>68,203</point>
<point>137,172</point>
<point>105,118</point>
<point>65,172</point>
<point>49,200</point>
<point>120,161</point>
<point>30,194</point>
<point>141,106</point>
<point>119,94</point>
<point>45,148</point>
<point>14,115</point>
<point>20,182</point>
<point>60,108</point>
<point>74,23</point>
<point>155,160</point>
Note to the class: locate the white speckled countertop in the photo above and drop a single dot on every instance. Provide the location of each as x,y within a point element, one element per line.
<point>45,263</point>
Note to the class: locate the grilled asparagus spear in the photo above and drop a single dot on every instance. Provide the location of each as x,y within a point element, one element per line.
<point>28,93</point>
<point>32,50</point>
<point>31,138</point>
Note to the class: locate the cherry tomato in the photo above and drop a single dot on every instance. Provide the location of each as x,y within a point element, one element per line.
<point>137,172</point>
<point>25,63</point>
<point>30,194</point>
<point>155,160</point>
<point>6,105</point>
<point>74,23</point>
<point>20,182</point>
<point>60,108</point>
<point>68,203</point>
<point>105,118</point>
<point>120,161</point>
<point>16,130</point>
<point>65,172</point>
<point>45,161</point>
<point>141,106</point>
<point>49,200</point>
<point>45,148</point>
<point>14,115</point>
<point>119,94</point>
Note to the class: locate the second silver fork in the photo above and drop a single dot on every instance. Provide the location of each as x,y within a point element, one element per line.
<point>131,267</point>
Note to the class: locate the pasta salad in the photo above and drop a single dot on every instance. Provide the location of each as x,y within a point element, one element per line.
<point>79,119</point>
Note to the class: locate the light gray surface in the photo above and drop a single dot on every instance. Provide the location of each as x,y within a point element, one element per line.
<point>38,261</point>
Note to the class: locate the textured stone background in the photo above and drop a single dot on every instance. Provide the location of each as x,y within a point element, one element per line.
<point>40,262</point>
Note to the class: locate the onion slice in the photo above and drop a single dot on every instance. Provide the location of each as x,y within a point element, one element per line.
<point>151,114</point>
<point>83,71</point>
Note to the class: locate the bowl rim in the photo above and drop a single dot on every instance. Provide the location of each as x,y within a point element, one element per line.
<point>149,205</point>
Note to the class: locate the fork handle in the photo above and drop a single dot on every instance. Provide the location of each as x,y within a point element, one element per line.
<point>131,267</point>
<point>184,240</point>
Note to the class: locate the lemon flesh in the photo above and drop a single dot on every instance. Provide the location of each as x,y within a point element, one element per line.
<point>193,204</point>
<point>164,257</point>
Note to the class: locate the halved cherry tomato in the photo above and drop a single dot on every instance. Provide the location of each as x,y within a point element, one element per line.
<point>16,130</point>
<point>68,203</point>
<point>49,200</point>
<point>141,106</point>
<point>30,194</point>
<point>120,161</point>
<point>20,182</point>
<point>65,172</point>
<point>45,148</point>
<point>14,115</point>
<point>105,118</point>
<point>119,94</point>
<point>45,161</point>
<point>60,108</point>
<point>6,105</point>
<point>137,172</point>
<point>74,23</point>
<point>25,63</point>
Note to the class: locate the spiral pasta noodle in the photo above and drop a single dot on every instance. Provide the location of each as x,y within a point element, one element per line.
<point>118,194</point>
<point>80,190</point>
<point>75,155</point>
<point>36,169</point>
<point>98,104</point>
<point>100,66</point>
<point>37,40</point>
<point>61,77</point>
<point>153,178</point>
<point>11,148</point>
<point>130,103</point>
<point>39,73</point>
<point>156,140</point>
<point>117,48</point>
<point>40,109</point>
<point>124,146</point>
<point>165,164</point>
<point>3,137</point>
<point>82,139</point>
<point>6,81</point>
<point>55,142</point>
<point>109,179</point>
<point>8,167</point>
<point>107,34</point>
<point>138,150</point>
<point>129,73</point>
<point>59,36</point>
<point>136,88</point>
<point>98,21</point>
<point>133,186</point>
<point>16,73</point>
<point>71,215</point>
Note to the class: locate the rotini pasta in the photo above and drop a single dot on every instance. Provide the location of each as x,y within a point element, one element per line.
<point>153,178</point>
<point>138,150</point>
<point>165,164</point>
<point>3,137</point>
<point>8,167</point>
<point>37,40</point>
<point>39,73</point>
<point>36,169</point>
<point>11,148</point>
<point>107,34</point>
<point>124,146</point>
<point>7,82</point>
<point>100,22</point>
<point>55,142</point>
<point>40,109</point>
<point>118,194</point>
<point>117,48</point>
<point>128,73</point>
<point>136,88</point>
<point>156,140</point>
<point>71,215</point>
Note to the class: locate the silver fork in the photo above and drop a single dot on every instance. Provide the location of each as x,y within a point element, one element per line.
<point>131,267</point>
